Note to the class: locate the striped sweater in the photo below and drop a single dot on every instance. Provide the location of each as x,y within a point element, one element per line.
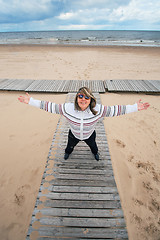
<point>82,123</point>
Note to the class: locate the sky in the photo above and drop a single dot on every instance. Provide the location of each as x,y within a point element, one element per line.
<point>46,15</point>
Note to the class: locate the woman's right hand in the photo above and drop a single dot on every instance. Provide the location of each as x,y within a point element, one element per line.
<point>24,99</point>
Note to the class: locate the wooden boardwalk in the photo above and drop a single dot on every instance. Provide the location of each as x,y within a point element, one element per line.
<point>141,86</point>
<point>61,86</point>
<point>78,198</point>
<point>65,86</point>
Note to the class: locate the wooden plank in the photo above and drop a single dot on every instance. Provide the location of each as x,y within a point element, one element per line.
<point>34,86</point>
<point>79,176</point>
<point>156,84</point>
<point>109,85</point>
<point>75,238</point>
<point>127,86</point>
<point>78,165</point>
<point>80,189</point>
<point>104,204</point>
<point>144,86</point>
<point>92,233</point>
<point>81,166</point>
<point>82,156</point>
<point>95,85</point>
<point>107,172</point>
<point>82,222</point>
<point>5,83</point>
<point>101,165</point>
<point>81,196</point>
<point>72,182</point>
<point>18,85</point>
<point>78,212</point>
<point>151,86</point>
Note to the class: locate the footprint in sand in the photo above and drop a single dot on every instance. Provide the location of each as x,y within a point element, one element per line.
<point>120,143</point>
<point>154,206</point>
<point>138,202</point>
<point>19,196</point>
<point>136,218</point>
<point>148,167</point>
<point>130,158</point>
<point>147,185</point>
<point>19,199</point>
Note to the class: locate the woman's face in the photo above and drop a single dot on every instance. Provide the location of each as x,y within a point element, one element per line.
<point>83,101</point>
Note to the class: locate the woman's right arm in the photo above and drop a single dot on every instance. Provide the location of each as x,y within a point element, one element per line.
<point>44,105</point>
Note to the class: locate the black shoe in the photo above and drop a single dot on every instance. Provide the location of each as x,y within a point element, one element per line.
<point>66,156</point>
<point>96,156</point>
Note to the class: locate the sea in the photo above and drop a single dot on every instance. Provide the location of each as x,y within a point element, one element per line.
<point>83,38</point>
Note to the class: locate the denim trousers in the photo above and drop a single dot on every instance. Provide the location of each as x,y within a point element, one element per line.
<point>72,142</point>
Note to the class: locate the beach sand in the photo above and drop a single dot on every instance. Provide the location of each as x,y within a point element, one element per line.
<point>27,132</point>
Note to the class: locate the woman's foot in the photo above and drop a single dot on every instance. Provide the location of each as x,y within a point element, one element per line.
<point>66,156</point>
<point>96,156</point>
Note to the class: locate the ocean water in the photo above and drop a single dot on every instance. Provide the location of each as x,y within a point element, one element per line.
<point>84,38</point>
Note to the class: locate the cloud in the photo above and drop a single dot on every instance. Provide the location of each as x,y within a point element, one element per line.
<point>138,11</point>
<point>132,13</point>
<point>79,14</point>
<point>17,11</point>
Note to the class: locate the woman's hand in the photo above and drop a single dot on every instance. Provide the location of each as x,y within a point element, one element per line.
<point>24,99</point>
<point>142,106</point>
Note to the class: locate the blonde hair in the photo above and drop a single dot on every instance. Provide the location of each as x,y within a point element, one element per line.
<point>86,91</point>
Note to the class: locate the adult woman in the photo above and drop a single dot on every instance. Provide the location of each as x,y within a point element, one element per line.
<point>82,116</point>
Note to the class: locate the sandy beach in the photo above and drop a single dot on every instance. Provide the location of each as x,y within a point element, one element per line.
<point>27,132</point>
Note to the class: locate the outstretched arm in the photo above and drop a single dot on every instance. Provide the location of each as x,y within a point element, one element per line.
<point>111,111</point>
<point>142,106</point>
<point>44,105</point>
<point>24,99</point>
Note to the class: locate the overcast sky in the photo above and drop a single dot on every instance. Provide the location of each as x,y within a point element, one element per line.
<point>36,15</point>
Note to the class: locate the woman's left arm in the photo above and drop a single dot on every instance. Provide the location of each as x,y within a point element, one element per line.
<point>117,110</point>
<point>142,106</point>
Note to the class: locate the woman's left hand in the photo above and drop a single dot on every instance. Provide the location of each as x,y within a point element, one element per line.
<point>142,106</point>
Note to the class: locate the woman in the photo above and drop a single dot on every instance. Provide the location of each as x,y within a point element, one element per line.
<point>82,116</point>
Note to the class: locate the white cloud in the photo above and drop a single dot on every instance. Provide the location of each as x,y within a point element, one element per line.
<point>67,16</point>
<point>86,15</point>
<point>79,14</point>
<point>137,10</point>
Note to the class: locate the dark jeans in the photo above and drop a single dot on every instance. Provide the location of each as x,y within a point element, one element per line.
<point>72,142</point>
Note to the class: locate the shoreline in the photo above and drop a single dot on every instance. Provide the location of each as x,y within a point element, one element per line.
<point>76,46</point>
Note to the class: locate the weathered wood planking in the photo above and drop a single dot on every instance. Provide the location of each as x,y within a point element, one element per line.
<point>65,86</point>
<point>83,233</point>
<point>78,198</point>
<point>143,86</point>
<point>14,84</point>
<point>155,83</point>
<point>17,85</point>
